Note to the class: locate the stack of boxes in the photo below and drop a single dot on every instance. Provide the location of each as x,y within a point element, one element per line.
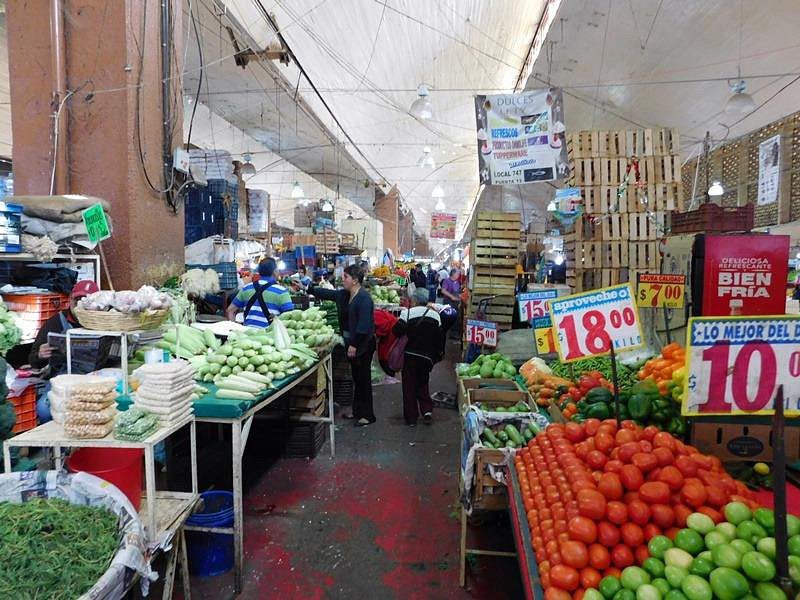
<point>629,181</point>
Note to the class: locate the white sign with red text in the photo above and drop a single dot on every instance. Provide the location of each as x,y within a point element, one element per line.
<point>482,333</point>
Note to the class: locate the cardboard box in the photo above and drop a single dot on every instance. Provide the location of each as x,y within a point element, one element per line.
<point>742,442</point>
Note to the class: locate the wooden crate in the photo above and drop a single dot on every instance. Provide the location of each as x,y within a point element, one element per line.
<point>488,280</point>
<point>644,256</point>
<point>587,229</point>
<point>613,254</point>
<point>498,226</point>
<point>652,142</point>
<point>493,397</point>
<point>614,226</point>
<point>466,385</point>
<point>487,493</point>
<point>646,226</point>
<point>596,144</point>
<point>313,405</point>
<point>495,252</point>
<point>500,310</point>
<point>313,384</point>
<point>327,242</point>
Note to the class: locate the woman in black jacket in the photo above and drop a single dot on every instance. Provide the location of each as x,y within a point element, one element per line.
<point>422,327</point>
<point>358,330</point>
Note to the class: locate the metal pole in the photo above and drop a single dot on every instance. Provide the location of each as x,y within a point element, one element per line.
<point>615,380</point>
<point>666,324</point>
<point>779,487</point>
<point>59,71</point>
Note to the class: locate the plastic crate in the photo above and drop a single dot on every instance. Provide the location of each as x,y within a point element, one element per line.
<point>228,279</point>
<point>34,309</point>
<point>305,440</point>
<point>25,409</point>
<point>712,218</point>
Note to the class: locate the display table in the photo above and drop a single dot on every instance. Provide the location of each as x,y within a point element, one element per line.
<point>240,421</point>
<point>522,539</point>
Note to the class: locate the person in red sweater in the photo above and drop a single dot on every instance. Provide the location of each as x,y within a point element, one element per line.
<point>384,323</point>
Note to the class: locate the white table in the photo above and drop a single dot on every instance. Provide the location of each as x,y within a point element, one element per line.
<point>240,430</point>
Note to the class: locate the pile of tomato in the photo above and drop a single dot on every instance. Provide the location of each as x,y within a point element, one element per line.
<point>596,493</point>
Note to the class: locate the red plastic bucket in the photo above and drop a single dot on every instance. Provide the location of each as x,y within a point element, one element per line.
<point>121,467</point>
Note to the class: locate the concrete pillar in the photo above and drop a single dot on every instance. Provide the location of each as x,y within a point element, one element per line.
<point>387,212</point>
<point>102,47</point>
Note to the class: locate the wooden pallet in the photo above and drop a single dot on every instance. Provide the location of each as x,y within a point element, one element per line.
<point>644,256</point>
<point>657,141</point>
<point>488,280</point>
<point>498,225</point>
<point>500,310</point>
<point>327,242</point>
<point>660,169</point>
<point>646,226</point>
<point>497,252</point>
<point>313,406</point>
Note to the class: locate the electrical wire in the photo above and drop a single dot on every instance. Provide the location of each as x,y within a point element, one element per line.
<point>61,104</point>
<point>200,78</point>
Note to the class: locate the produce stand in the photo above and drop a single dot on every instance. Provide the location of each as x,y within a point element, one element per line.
<point>240,421</point>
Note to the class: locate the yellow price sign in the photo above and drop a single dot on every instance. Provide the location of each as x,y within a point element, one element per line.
<point>654,290</point>
<point>543,332</point>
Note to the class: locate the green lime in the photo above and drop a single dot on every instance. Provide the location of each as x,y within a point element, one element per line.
<point>766,518</point>
<point>758,567</point>
<point>701,567</point>
<point>729,529</point>
<point>767,547</point>
<point>624,595</point>
<point>690,541</point>
<point>633,578</point>
<point>794,545</point>
<point>662,585</point>
<point>750,531</point>
<point>736,512</point>
<point>658,545</point>
<point>696,588</point>
<point>726,556</point>
<point>769,591</point>
<point>701,523</point>
<point>609,586</point>
<point>654,566</point>
<point>675,575</point>
<point>742,546</point>
<point>728,584</point>
<point>675,595</point>
<point>648,592</point>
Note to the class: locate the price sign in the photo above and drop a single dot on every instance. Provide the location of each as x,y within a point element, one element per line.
<point>482,333</point>
<point>94,218</point>
<point>586,324</point>
<point>735,365</point>
<point>534,305</point>
<point>654,290</point>
<point>543,332</point>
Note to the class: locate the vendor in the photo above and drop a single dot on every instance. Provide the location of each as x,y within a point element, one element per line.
<point>43,353</point>
<point>263,299</point>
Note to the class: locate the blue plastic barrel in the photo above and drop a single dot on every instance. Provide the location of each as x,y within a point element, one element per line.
<point>211,553</point>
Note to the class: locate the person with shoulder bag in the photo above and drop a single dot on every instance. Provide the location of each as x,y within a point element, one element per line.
<point>418,332</point>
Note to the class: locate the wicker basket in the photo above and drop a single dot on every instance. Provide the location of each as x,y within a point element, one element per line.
<point>117,321</point>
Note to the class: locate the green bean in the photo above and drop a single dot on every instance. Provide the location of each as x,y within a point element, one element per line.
<point>52,549</point>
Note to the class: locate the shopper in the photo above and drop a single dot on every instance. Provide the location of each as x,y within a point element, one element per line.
<point>451,293</point>
<point>420,280</point>
<point>432,282</point>
<point>357,320</point>
<point>422,327</point>
<point>263,299</point>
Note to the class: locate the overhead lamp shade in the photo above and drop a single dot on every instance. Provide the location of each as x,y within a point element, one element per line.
<point>428,162</point>
<point>440,205</point>
<point>422,108</point>
<point>247,169</point>
<point>327,206</point>
<point>716,189</point>
<point>297,191</point>
<point>741,103</point>
<point>552,207</point>
<point>437,192</point>
<point>482,135</point>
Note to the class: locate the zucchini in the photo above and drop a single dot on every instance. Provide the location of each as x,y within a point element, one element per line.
<point>489,435</point>
<point>514,435</point>
<point>234,394</point>
<point>528,434</point>
<point>488,444</point>
<point>512,444</point>
<point>502,436</point>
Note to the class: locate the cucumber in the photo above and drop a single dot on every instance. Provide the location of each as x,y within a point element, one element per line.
<point>502,436</point>
<point>528,434</point>
<point>488,444</point>
<point>488,434</point>
<point>514,435</point>
<point>512,444</point>
<point>500,409</point>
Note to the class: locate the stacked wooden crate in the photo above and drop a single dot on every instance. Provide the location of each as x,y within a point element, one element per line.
<point>309,397</point>
<point>625,217</point>
<point>494,255</point>
<point>327,242</point>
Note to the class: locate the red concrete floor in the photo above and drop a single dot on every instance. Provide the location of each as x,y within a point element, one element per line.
<point>378,521</point>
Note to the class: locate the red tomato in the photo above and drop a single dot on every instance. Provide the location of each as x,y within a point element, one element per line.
<point>604,442</point>
<point>574,432</point>
<point>613,466</point>
<point>582,529</point>
<point>638,512</point>
<point>645,462</point>
<point>574,554</point>
<point>686,466</point>
<point>649,432</point>
<point>630,497</point>
<point>670,533</point>
<point>664,440</point>
<point>621,556</point>
<point>716,496</point>
<point>702,461</point>
<point>554,593</point>
<point>664,456</point>
<point>590,578</point>
<point>564,577</point>
<point>653,475</point>
<point>624,436</point>
<point>662,515</point>
<point>632,535</point>
<point>578,594</point>
<point>651,531</point>
<point>630,425</point>
<point>715,515</point>
<point>612,572</point>
<point>672,477</point>
<point>694,494</point>
<point>607,534</point>
<point>599,557</point>
<point>610,486</point>
<point>596,459</point>
<point>642,554</point>
<point>631,477</point>
<point>654,492</point>
<point>681,513</point>
<point>591,426</point>
<point>616,512</point>
<point>626,451</point>
<point>592,504</point>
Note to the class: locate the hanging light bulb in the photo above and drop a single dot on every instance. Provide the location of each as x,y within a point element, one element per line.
<point>426,160</point>
<point>247,167</point>
<point>552,206</point>
<point>422,108</point>
<point>440,205</point>
<point>327,206</point>
<point>482,135</point>
<point>716,189</point>
<point>437,192</point>
<point>741,103</point>
<point>297,191</point>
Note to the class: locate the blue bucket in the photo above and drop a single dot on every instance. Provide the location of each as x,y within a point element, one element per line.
<point>211,553</point>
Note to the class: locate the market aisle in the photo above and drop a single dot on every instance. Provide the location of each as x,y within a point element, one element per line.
<point>379,521</point>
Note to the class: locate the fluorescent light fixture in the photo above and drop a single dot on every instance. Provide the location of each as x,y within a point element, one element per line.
<point>297,191</point>
<point>247,167</point>
<point>422,108</point>
<point>437,192</point>
<point>716,189</point>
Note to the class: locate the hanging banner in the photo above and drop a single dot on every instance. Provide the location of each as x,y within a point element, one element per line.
<point>769,170</point>
<point>735,365</point>
<point>745,275</point>
<point>521,137</point>
<point>443,226</point>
